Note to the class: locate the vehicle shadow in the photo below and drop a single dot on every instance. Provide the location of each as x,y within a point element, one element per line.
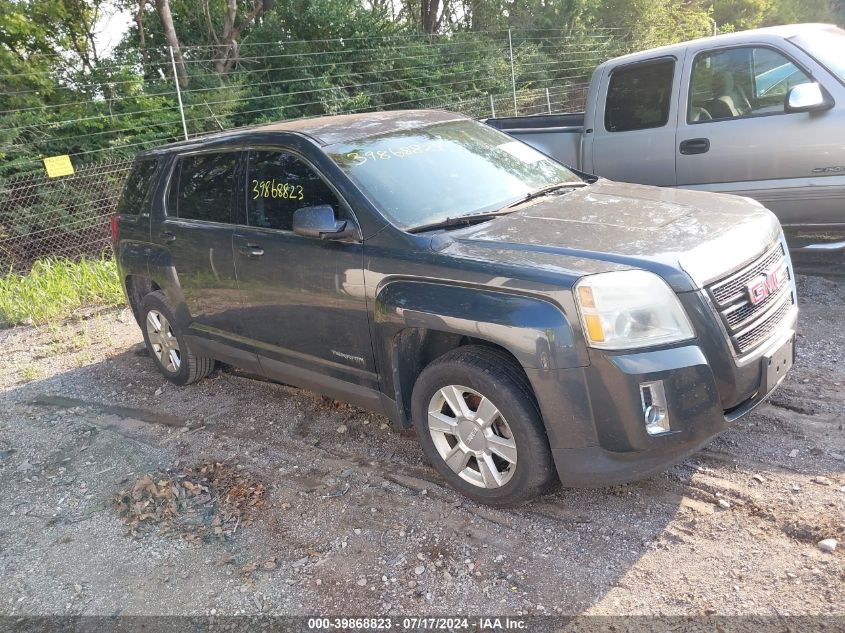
<point>570,552</point>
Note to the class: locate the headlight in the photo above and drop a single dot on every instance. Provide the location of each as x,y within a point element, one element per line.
<point>630,308</point>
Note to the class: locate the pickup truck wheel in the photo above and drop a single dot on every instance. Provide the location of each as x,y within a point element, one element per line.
<point>479,425</point>
<point>167,346</point>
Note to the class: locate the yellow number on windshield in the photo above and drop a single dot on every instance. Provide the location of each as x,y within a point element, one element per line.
<point>356,157</point>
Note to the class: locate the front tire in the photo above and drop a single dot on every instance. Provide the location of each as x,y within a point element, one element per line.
<point>478,423</point>
<point>167,345</point>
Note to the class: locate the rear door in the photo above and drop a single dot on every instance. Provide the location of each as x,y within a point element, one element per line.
<point>304,302</point>
<point>196,230</point>
<point>634,124</point>
<point>747,143</point>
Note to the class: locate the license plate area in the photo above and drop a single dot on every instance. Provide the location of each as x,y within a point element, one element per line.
<point>778,363</point>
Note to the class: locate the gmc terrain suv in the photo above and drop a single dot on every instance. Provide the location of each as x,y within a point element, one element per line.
<point>533,324</point>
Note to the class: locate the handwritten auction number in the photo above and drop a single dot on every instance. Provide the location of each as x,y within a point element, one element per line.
<point>359,158</point>
<point>273,189</point>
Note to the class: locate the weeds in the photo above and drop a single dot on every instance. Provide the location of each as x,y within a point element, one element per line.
<point>29,373</point>
<point>83,359</point>
<point>55,287</point>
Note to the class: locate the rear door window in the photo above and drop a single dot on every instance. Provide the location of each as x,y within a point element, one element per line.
<point>137,187</point>
<point>639,95</point>
<point>279,183</point>
<point>203,187</point>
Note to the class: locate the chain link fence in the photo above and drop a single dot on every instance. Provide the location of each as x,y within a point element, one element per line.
<point>480,75</point>
<point>69,216</point>
<point>62,217</point>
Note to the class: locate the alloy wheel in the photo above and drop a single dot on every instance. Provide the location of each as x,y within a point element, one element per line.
<point>472,436</point>
<point>163,341</point>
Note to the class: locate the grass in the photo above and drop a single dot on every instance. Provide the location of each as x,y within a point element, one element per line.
<point>30,372</point>
<point>55,287</point>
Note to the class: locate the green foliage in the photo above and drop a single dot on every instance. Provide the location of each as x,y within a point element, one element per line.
<point>792,11</point>
<point>59,98</point>
<point>299,58</point>
<point>738,15</point>
<point>55,287</point>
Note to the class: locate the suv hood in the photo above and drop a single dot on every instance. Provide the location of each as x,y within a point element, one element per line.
<point>685,236</point>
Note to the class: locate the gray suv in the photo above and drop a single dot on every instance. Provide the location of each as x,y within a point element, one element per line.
<point>533,324</point>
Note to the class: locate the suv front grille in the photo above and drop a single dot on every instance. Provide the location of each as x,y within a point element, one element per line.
<point>750,324</point>
<point>761,331</point>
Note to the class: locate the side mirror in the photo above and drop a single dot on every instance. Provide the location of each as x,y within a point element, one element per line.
<point>321,223</point>
<point>809,97</point>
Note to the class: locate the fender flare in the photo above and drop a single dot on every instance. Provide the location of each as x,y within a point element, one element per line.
<point>534,330</point>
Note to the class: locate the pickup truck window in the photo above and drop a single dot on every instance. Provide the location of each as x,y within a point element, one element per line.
<point>278,184</point>
<point>639,95</point>
<point>421,176</point>
<point>204,185</point>
<point>740,82</point>
<point>828,47</point>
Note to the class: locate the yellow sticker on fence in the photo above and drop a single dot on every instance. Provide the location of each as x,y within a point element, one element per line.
<point>58,166</point>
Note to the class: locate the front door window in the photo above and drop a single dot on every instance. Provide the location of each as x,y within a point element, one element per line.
<point>741,82</point>
<point>277,185</point>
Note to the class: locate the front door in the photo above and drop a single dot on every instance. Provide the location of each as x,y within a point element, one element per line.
<point>744,142</point>
<point>304,300</point>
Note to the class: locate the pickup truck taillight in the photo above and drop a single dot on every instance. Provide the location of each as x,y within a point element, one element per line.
<point>114,228</point>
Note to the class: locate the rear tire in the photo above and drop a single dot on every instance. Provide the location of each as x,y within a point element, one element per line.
<point>494,449</point>
<point>167,345</point>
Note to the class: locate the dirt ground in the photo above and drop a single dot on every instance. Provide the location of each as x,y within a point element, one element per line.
<point>352,521</point>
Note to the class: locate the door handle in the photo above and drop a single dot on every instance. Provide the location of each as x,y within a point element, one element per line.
<point>167,237</point>
<point>251,250</point>
<point>694,146</point>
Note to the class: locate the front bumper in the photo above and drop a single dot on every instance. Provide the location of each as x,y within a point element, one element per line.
<point>594,415</point>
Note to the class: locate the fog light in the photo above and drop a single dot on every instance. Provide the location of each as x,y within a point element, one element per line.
<point>655,411</point>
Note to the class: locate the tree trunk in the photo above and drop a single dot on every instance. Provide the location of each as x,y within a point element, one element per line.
<point>227,50</point>
<point>163,10</point>
<point>139,20</point>
<point>429,10</point>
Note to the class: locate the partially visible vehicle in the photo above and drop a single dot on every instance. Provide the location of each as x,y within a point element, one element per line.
<point>533,326</point>
<point>757,113</point>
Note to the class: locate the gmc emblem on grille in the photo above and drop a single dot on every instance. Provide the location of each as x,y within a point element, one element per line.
<point>766,283</point>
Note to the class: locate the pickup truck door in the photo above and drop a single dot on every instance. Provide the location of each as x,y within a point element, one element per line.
<point>734,135</point>
<point>304,301</point>
<point>632,130</point>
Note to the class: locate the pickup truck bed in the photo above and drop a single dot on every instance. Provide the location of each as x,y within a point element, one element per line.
<point>558,135</point>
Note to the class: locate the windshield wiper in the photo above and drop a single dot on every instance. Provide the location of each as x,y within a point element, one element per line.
<point>543,191</point>
<point>461,220</point>
<point>475,218</point>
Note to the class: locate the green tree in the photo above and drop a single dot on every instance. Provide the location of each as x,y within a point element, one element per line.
<point>795,11</point>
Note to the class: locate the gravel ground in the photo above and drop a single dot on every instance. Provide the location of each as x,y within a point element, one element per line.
<point>355,522</point>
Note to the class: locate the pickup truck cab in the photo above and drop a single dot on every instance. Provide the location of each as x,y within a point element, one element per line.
<point>758,113</point>
<point>531,325</point>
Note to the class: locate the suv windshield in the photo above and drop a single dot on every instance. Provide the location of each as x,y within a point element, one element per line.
<point>424,176</point>
<point>828,47</point>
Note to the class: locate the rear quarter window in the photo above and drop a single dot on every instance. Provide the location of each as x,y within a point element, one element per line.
<point>639,95</point>
<point>137,187</point>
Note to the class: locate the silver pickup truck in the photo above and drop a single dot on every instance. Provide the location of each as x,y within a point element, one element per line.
<point>758,113</point>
